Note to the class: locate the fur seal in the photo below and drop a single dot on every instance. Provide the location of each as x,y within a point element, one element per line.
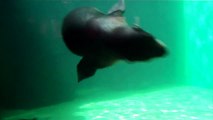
<point>102,39</point>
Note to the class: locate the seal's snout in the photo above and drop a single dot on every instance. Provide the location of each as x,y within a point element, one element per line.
<point>162,49</point>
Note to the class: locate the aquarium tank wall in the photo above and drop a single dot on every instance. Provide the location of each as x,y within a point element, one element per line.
<point>38,70</point>
<point>198,42</point>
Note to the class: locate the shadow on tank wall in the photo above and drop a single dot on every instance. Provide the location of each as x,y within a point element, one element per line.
<point>35,65</point>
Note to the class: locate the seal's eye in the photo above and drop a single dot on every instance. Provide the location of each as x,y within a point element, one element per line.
<point>137,28</point>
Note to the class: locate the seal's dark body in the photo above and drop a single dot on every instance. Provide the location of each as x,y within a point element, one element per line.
<point>76,32</point>
<point>101,39</point>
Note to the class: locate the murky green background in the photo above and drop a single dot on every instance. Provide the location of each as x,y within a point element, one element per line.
<point>36,68</point>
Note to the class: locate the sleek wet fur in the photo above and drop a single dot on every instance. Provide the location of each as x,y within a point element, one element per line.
<point>102,39</point>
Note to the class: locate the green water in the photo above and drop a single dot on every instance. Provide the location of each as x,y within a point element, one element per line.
<point>38,76</point>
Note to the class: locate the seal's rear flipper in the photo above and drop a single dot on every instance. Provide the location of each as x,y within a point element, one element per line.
<point>118,8</point>
<point>86,68</point>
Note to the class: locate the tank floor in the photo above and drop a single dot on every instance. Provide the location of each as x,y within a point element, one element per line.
<point>174,103</point>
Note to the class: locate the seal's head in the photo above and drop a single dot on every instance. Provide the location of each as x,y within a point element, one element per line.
<point>135,44</point>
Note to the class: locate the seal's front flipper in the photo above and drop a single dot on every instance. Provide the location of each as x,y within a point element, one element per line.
<point>86,68</point>
<point>118,8</point>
